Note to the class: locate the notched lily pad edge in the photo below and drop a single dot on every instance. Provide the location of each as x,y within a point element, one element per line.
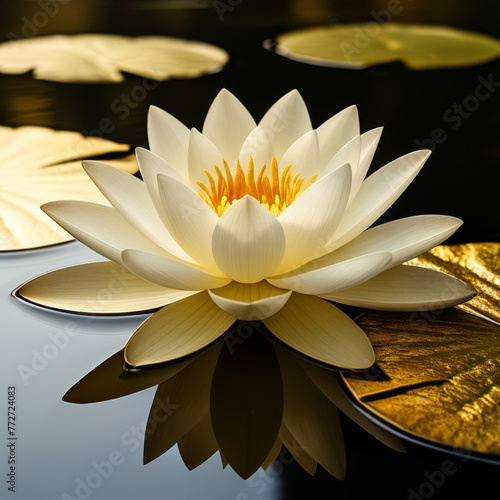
<point>394,429</point>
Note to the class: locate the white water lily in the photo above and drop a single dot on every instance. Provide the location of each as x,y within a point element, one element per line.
<point>214,236</point>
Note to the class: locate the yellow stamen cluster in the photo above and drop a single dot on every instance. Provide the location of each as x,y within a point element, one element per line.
<point>275,192</point>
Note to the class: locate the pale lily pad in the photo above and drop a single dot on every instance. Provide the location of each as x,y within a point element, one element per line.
<point>40,164</point>
<point>357,46</point>
<point>102,57</point>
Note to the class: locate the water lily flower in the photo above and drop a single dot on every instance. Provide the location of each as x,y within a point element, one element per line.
<point>259,222</point>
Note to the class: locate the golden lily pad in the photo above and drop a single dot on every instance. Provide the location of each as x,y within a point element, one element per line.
<point>357,46</point>
<point>437,378</point>
<point>103,57</point>
<point>40,164</point>
<point>475,263</point>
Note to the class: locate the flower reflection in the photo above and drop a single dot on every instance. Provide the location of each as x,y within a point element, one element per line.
<point>243,400</point>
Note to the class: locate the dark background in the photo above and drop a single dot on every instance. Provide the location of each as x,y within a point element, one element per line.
<point>459,179</point>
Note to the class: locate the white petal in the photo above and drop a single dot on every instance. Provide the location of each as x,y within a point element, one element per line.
<point>250,302</point>
<point>248,241</point>
<point>151,165</point>
<point>336,132</point>
<point>130,197</point>
<point>407,288</point>
<point>286,121</point>
<point>358,152</point>
<point>403,238</point>
<point>319,330</point>
<point>369,143</point>
<point>169,139</point>
<point>377,194</point>
<point>177,330</point>
<point>202,155</point>
<point>169,273</point>
<point>97,288</point>
<point>302,155</point>
<point>189,220</point>
<point>310,220</point>
<point>101,228</point>
<point>259,146</point>
<point>336,277</point>
<point>227,124</point>
<point>349,153</point>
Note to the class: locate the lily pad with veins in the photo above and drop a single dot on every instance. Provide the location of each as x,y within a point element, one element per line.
<point>441,383</point>
<point>39,165</point>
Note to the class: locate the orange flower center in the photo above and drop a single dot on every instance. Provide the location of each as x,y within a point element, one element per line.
<point>275,192</point>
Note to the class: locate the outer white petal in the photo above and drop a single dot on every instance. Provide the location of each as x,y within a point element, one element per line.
<point>248,241</point>
<point>319,330</point>
<point>369,143</point>
<point>406,288</point>
<point>349,153</point>
<point>250,302</point>
<point>227,124</point>
<point>286,121</point>
<point>310,220</point>
<point>336,277</point>
<point>169,273</point>
<point>336,132</point>
<point>259,146</point>
<point>97,288</point>
<point>189,220</point>
<point>377,194</point>
<point>303,155</point>
<point>403,238</point>
<point>203,154</point>
<point>151,165</point>
<point>169,139</point>
<point>101,228</point>
<point>130,197</point>
<point>177,330</point>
